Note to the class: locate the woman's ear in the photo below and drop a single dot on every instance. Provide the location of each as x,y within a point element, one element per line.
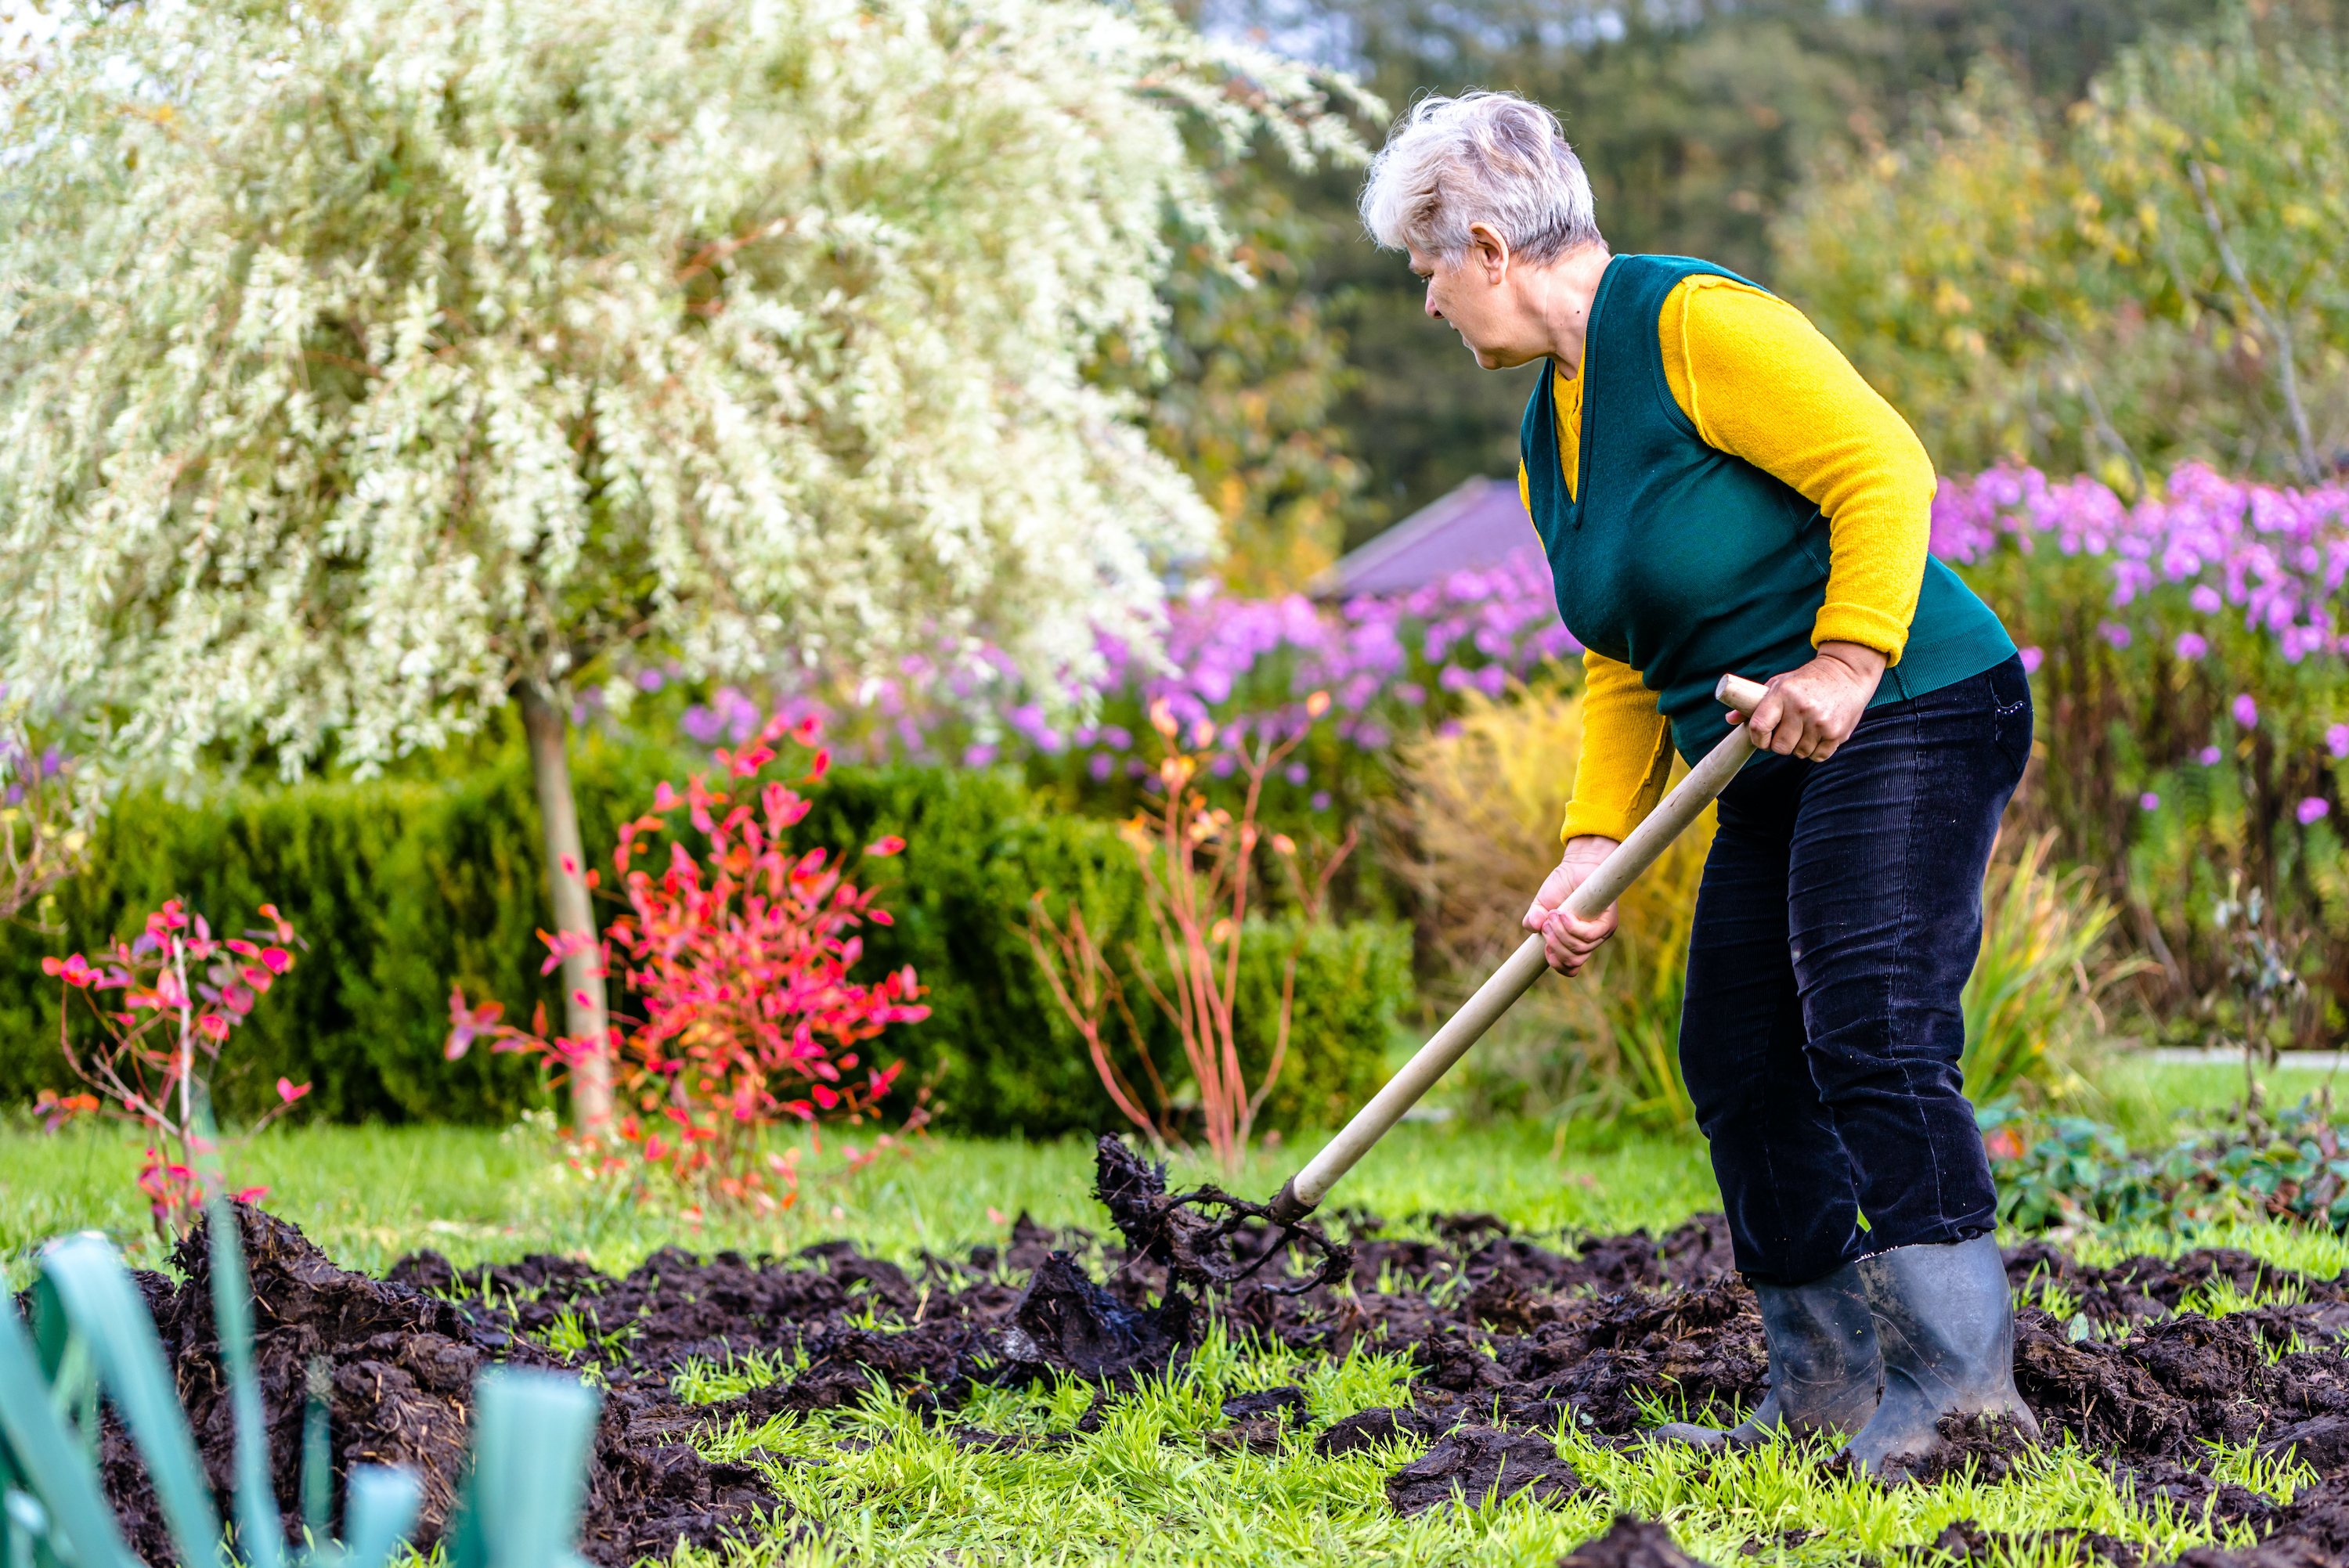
<point>1488,254</point>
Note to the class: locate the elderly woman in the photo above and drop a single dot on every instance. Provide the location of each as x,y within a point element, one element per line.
<point>1718,491</point>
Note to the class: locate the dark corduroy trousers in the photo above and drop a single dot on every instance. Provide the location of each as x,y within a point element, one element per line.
<point>1839,917</point>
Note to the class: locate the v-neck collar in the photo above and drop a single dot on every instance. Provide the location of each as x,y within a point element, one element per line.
<point>1579,490</point>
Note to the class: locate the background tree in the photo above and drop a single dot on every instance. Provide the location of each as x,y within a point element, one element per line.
<point>1257,368</point>
<point>1700,123</point>
<point>367,366</point>
<point>2153,276</point>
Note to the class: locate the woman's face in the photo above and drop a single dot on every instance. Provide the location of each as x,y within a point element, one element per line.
<point>1475,297</point>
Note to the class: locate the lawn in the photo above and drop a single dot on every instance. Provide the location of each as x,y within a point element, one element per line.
<point>869,1483</point>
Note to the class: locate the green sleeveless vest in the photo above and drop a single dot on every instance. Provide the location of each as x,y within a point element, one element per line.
<point>1686,562</point>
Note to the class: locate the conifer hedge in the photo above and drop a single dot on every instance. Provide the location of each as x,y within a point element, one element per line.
<point>403,887</point>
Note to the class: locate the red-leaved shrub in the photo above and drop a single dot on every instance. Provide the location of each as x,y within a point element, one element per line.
<point>735,954</point>
<point>154,1039</point>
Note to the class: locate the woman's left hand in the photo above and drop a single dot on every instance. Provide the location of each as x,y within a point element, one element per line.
<point>1812,711</point>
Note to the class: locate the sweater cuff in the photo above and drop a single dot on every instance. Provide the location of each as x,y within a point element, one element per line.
<point>1588,819</point>
<point>1846,621</point>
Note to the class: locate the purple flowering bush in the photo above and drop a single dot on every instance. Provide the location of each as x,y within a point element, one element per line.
<point>2188,651</point>
<point>2188,660</point>
<point>1390,666</point>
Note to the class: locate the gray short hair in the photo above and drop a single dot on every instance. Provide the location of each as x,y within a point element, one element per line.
<point>1481,158</point>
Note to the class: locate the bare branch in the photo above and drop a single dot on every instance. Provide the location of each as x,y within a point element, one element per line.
<point>2274,325</point>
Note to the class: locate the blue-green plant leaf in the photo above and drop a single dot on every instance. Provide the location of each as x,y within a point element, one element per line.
<point>46,1452</point>
<point>104,1309</point>
<point>260,1533</point>
<point>67,1363</point>
<point>24,1526</point>
<point>531,1432</point>
<point>379,1508</point>
<point>317,1450</point>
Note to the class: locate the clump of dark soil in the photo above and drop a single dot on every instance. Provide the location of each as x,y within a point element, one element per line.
<point>1508,1340</point>
<point>1632,1542</point>
<point>1203,1236</point>
<point>1967,1542</point>
<point>399,1366</point>
<point>1474,1465</point>
<point>1985,1447</point>
<point>1259,1420</point>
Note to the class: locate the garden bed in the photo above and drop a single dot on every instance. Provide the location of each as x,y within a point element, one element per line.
<point>1513,1369</point>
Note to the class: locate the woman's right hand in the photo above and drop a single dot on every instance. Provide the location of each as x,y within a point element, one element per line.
<point>1568,941</point>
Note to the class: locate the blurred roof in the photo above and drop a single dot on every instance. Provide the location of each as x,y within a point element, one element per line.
<point>1475,525</point>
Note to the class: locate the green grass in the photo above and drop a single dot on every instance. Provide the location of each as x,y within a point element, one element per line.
<point>369,1194</point>
<point>2143,1099</point>
<point>870,1485</point>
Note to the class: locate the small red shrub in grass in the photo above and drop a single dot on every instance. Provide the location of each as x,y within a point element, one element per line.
<point>736,954</point>
<point>183,991</point>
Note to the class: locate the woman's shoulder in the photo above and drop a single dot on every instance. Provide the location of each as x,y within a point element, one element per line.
<point>1675,272</point>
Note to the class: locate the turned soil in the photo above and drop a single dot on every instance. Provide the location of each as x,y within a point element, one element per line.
<point>1507,1339</point>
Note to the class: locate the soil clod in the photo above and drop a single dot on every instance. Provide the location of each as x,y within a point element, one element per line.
<point>1983,1446</point>
<point>1366,1429</point>
<point>1259,1420</point>
<point>1968,1542</point>
<point>1632,1542</point>
<point>1067,1323</point>
<point>1167,1228</point>
<point>1475,1465</point>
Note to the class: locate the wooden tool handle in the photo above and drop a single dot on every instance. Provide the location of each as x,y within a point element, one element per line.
<point>1304,1192</point>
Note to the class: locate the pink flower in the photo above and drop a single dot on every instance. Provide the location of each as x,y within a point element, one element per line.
<point>2205,600</point>
<point>2337,740</point>
<point>2207,757</point>
<point>2116,634</point>
<point>887,844</point>
<point>2031,661</point>
<point>289,1091</point>
<point>2313,808</point>
<point>2149,801</point>
<point>2246,711</point>
<point>2190,647</point>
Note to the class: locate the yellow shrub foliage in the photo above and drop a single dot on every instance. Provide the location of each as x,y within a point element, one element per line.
<point>1484,799</point>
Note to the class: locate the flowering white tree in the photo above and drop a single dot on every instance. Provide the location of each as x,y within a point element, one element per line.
<point>367,364</point>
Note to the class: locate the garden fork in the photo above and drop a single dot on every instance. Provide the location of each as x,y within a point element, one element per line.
<point>1303,1192</point>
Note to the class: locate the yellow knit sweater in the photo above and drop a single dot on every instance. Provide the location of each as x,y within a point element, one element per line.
<point>1758,381</point>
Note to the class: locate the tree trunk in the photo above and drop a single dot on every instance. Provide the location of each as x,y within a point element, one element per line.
<point>583,1017</point>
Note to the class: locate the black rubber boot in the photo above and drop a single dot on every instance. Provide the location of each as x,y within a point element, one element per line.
<point>1946,1321</point>
<point>1824,1367</point>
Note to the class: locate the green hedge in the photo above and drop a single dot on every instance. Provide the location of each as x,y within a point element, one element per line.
<point>976,850</point>
<point>398,887</point>
<point>401,887</point>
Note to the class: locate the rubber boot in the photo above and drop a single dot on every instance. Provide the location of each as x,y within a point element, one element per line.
<point>1824,1367</point>
<point>1946,1322</point>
